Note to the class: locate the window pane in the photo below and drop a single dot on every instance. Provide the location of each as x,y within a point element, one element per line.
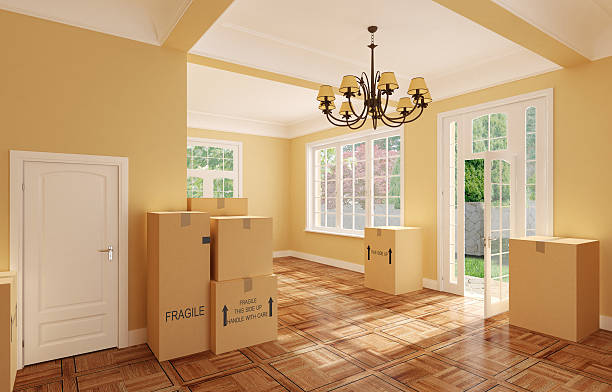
<point>347,168</point>
<point>320,157</point>
<point>200,152</point>
<point>347,188</point>
<point>394,221</point>
<point>215,164</point>
<point>331,172</point>
<point>347,151</point>
<point>228,184</point>
<point>360,151</point>
<point>499,144</point>
<point>347,206</point>
<point>394,166</point>
<point>228,164</point>
<point>480,146</point>
<point>380,167</point>
<point>359,222</point>
<point>218,185</point>
<point>360,169</point>
<point>331,205</point>
<point>360,205</point>
<point>530,139</point>
<point>530,120</point>
<point>394,186</point>
<point>380,221</point>
<point>331,220</point>
<point>394,205</point>
<point>360,187</point>
<point>228,154</point>
<point>215,152</point>
<point>380,148</point>
<point>380,186</point>
<point>229,194</point>
<point>380,206</point>
<point>347,221</point>
<point>331,189</point>
<point>499,124</point>
<point>480,128</point>
<point>394,146</point>
<point>331,156</point>
<point>531,172</point>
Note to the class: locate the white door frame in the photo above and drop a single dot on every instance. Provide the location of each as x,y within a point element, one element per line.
<point>17,161</point>
<point>547,94</point>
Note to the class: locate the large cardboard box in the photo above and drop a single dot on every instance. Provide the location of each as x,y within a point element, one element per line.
<point>554,286</point>
<point>219,206</point>
<point>178,314</point>
<point>244,312</point>
<point>393,259</point>
<point>8,330</point>
<point>241,246</point>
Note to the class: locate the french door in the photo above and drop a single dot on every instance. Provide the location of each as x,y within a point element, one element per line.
<point>494,169</point>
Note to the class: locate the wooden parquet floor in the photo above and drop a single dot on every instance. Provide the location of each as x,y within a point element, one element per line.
<point>336,335</point>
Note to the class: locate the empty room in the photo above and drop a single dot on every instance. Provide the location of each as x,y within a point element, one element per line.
<point>269,195</point>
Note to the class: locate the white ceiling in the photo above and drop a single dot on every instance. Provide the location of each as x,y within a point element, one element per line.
<point>227,101</point>
<point>583,25</point>
<point>148,21</point>
<point>321,41</point>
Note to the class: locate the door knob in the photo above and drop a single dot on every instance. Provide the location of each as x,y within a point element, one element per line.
<point>109,251</point>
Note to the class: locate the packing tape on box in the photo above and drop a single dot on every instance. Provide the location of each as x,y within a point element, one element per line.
<point>185,219</point>
<point>541,246</point>
<point>220,204</point>
<point>246,223</point>
<point>248,284</point>
<point>378,232</point>
<point>205,240</point>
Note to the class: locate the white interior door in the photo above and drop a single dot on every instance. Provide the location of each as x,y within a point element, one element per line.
<point>499,226</point>
<point>71,218</point>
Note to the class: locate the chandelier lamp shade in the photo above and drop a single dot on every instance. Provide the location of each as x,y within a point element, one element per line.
<point>375,90</point>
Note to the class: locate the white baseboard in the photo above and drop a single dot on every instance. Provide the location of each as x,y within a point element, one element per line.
<point>137,336</point>
<point>430,284</point>
<point>321,260</point>
<point>605,322</point>
<point>281,253</point>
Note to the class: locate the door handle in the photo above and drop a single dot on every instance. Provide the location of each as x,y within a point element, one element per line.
<point>109,251</point>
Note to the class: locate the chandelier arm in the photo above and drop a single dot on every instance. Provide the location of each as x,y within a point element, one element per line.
<point>397,120</point>
<point>333,120</point>
<point>365,106</point>
<point>363,120</point>
<point>417,116</point>
<point>393,123</point>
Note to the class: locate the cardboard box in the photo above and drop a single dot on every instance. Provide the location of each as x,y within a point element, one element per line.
<point>554,286</point>
<point>244,312</point>
<point>219,206</point>
<point>8,330</point>
<point>241,247</point>
<point>178,314</point>
<point>393,259</point>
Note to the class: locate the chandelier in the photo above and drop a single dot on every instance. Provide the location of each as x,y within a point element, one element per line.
<point>375,89</point>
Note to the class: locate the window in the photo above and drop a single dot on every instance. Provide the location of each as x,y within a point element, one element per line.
<point>490,133</point>
<point>213,168</point>
<point>355,182</point>
<point>530,171</point>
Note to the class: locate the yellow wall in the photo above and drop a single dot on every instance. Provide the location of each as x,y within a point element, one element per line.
<point>265,176</point>
<point>70,90</point>
<point>582,189</point>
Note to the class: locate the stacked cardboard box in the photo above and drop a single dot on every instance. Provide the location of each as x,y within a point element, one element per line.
<point>8,330</point>
<point>243,288</point>
<point>393,259</point>
<point>178,315</point>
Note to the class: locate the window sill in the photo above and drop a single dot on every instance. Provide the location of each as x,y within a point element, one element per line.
<point>333,233</point>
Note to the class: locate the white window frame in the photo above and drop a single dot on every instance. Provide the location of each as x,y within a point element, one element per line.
<point>544,153</point>
<point>364,136</point>
<point>237,173</point>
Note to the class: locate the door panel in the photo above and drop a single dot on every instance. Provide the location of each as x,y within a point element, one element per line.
<point>70,287</point>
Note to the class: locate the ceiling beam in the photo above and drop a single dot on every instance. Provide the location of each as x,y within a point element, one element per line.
<point>259,73</point>
<point>503,22</point>
<point>197,19</point>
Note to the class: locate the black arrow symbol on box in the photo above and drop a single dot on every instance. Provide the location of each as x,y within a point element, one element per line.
<point>368,252</point>
<point>224,315</point>
<point>270,303</point>
<point>389,255</point>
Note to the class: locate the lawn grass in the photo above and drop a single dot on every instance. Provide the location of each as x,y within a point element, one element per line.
<point>474,266</point>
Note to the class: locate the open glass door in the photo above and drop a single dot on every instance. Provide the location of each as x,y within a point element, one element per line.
<point>500,194</point>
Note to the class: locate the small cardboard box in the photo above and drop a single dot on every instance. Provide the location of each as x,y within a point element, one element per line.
<point>178,314</point>
<point>393,259</point>
<point>554,286</point>
<point>241,247</point>
<point>219,206</point>
<point>244,312</point>
<point>8,330</point>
